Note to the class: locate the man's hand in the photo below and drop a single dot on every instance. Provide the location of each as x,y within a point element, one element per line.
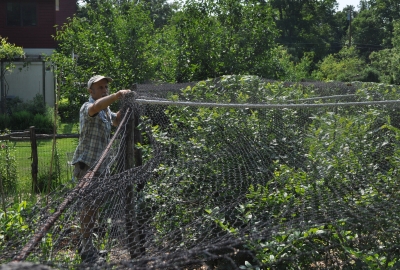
<point>120,94</point>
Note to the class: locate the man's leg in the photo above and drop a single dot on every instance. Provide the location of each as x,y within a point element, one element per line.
<point>88,214</point>
<point>87,250</point>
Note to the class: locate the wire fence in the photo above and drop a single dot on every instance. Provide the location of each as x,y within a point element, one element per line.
<point>35,158</point>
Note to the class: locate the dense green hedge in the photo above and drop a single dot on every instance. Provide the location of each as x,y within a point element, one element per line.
<point>22,115</point>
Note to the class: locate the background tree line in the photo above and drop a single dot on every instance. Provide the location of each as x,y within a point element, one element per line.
<point>164,41</point>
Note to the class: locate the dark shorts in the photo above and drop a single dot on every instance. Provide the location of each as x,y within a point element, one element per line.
<point>80,170</point>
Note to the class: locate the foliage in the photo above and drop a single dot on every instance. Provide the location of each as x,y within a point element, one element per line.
<point>67,111</point>
<point>36,106</point>
<point>195,169</point>
<point>239,44</point>
<point>8,52</point>
<point>345,66</point>
<point>192,40</point>
<point>386,12</point>
<point>289,175</point>
<point>373,29</point>
<point>43,123</point>
<point>5,121</point>
<point>165,52</point>
<point>217,38</point>
<point>367,34</point>
<point>386,61</point>
<point>306,26</point>
<point>351,155</point>
<point>12,223</point>
<point>13,104</point>
<point>288,70</point>
<point>22,120</point>
<point>108,41</point>
<point>161,11</point>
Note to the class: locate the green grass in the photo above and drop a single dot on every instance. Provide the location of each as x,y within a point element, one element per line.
<point>68,128</point>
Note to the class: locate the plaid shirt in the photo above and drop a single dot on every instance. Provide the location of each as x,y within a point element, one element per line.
<point>94,135</point>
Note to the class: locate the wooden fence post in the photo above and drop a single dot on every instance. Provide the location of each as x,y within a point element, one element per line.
<point>130,213</point>
<point>34,158</point>
<point>137,153</point>
<point>133,158</point>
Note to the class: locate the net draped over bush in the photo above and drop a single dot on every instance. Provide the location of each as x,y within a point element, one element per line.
<point>237,172</point>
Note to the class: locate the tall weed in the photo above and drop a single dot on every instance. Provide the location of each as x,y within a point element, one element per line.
<point>8,169</point>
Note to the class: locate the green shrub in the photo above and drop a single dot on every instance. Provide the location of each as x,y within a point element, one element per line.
<point>12,104</point>
<point>42,123</point>
<point>68,111</point>
<point>5,121</point>
<point>21,120</point>
<point>21,116</point>
<point>343,66</point>
<point>13,223</point>
<point>287,69</point>
<point>36,105</point>
<point>370,74</point>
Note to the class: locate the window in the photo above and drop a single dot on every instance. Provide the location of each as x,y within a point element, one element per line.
<point>21,14</point>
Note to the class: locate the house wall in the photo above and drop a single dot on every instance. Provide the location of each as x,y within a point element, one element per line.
<point>38,36</point>
<point>27,82</point>
<point>67,8</point>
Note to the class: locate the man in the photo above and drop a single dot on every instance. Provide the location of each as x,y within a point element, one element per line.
<point>95,120</point>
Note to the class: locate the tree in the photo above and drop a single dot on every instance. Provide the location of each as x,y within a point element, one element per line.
<point>7,54</point>
<point>340,26</point>
<point>366,32</point>
<point>386,12</point>
<point>111,39</point>
<point>387,61</point>
<point>161,11</point>
<point>343,66</point>
<point>306,26</point>
<point>223,37</point>
<point>373,27</point>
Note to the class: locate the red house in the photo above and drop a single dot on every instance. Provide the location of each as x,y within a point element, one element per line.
<point>30,24</point>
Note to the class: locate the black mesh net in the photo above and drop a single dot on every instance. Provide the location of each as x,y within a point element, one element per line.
<point>235,172</point>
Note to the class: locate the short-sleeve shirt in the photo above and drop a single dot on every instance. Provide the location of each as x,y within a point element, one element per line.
<point>94,135</point>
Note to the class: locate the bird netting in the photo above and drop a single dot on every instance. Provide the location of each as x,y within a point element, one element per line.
<point>235,172</point>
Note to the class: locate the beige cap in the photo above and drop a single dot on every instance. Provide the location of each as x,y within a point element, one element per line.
<point>97,78</point>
